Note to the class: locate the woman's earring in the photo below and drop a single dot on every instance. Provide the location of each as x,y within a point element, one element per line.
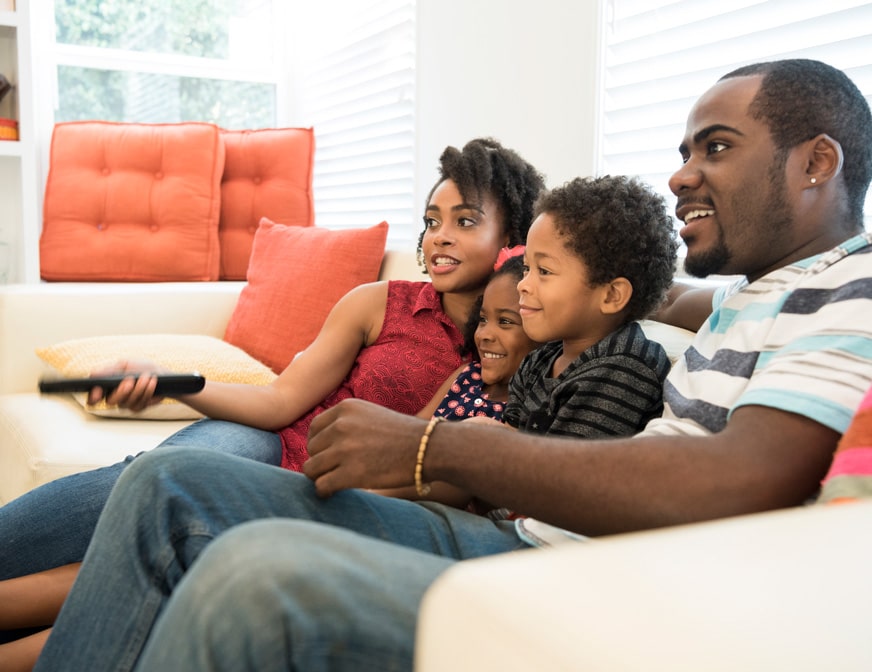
<point>814,180</point>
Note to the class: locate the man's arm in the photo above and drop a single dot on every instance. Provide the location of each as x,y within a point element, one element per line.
<point>764,459</point>
<point>686,306</point>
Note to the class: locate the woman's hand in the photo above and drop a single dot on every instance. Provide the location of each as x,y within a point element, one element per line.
<point>358,444</point>
<point>136,391</point>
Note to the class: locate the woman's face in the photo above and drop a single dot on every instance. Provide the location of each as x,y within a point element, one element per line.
<point>500,337</point>
<point>461,240</point>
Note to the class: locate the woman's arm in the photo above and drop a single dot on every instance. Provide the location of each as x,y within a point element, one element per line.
<point>428,410</point>
<point>355,322</point>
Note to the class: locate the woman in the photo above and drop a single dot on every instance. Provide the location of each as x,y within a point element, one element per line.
<point>391,342</point>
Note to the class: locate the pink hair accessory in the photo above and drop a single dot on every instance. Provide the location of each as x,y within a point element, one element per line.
<point>507,253</point>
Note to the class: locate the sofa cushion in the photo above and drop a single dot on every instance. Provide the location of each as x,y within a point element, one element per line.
<point>295,277</point>
<point>46,437</point>
<point>132,202</point>
<point>181,353</point>
<point>267,173</point>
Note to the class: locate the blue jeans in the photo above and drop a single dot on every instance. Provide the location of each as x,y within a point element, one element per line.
<point>313,584</point>
<point>52,525</point>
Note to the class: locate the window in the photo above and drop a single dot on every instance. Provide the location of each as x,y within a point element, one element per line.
<point>344,67</point>
<point>660,55</point>
<point>355,87</point>
<point>199,60</point>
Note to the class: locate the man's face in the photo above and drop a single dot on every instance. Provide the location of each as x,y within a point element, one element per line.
<point>731,189</point>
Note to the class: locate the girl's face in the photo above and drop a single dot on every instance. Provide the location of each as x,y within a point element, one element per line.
<point>557,300</point>
<point>461,240</point>
<point>500,337</point>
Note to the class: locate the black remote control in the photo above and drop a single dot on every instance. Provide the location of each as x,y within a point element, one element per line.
<point>167,383</point>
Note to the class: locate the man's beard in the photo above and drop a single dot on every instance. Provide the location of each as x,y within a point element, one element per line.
<point>717,259</point>
<point>709,262</point>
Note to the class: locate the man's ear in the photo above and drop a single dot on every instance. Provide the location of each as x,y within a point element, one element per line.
<point>824,160</point>
<point>617,296</point>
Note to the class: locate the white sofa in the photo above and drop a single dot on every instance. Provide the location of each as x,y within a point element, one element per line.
<point>45,437</point>
<point>785,584</point>
<point>786,590</point>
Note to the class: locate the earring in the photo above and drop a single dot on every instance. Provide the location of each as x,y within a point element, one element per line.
<point>814,180</point>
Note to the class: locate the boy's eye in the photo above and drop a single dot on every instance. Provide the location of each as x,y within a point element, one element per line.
<point>715,147</point>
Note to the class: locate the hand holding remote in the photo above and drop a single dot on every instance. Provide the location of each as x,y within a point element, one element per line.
<point>167,383</point>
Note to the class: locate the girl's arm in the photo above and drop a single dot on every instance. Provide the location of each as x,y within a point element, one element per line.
<point>355,322</point>
<point>428,410</point>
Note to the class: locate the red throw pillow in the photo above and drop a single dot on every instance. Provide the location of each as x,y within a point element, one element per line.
<point>267,173</point>
<point>296,275</point>
<point>132,202</point>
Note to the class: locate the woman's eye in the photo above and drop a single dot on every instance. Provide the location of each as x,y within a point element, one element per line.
<point>482,319</point>
<point>429,222</point>
<point>544,271</point>
<point>464,222</point>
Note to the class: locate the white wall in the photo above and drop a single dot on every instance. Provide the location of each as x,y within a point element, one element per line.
<point>523,72</point>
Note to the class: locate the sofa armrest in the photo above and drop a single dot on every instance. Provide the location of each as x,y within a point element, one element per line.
<point>40,315</point>
<point>777,591</point>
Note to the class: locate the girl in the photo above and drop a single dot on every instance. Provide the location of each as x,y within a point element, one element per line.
<point>480,389</point>
<point>390,342</point>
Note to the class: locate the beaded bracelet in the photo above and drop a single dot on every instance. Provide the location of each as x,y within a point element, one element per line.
<point>423,489</point>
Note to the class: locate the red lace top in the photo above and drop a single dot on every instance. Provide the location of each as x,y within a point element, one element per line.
<point>415,352</point>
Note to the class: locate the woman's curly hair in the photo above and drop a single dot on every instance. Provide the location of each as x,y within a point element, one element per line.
<point>619,227</point>
<point>485,168</point>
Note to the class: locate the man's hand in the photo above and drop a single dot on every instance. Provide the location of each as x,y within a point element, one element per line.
<point>358,444</point>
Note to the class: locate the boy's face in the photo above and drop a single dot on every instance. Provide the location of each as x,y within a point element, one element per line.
<point>557,301</point>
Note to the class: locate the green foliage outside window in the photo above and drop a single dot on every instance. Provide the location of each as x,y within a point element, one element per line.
<point>189,28</point>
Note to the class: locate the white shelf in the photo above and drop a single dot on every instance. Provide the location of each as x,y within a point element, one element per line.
<point>19,188</point>
<point>10,148</point>
<point>8,18</point>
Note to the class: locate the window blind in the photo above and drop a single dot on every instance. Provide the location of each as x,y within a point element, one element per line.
<point>357,92</point>
<point>661,55</point>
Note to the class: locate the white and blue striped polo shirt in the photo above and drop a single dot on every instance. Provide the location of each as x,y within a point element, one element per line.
<point>798,339</point>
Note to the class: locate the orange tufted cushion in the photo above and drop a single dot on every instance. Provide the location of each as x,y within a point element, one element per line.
<point>132,202</point>
<point>267,173</point>
<point>295,277</point>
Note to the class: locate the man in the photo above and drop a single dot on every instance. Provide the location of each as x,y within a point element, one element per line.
<point>777,161</point>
